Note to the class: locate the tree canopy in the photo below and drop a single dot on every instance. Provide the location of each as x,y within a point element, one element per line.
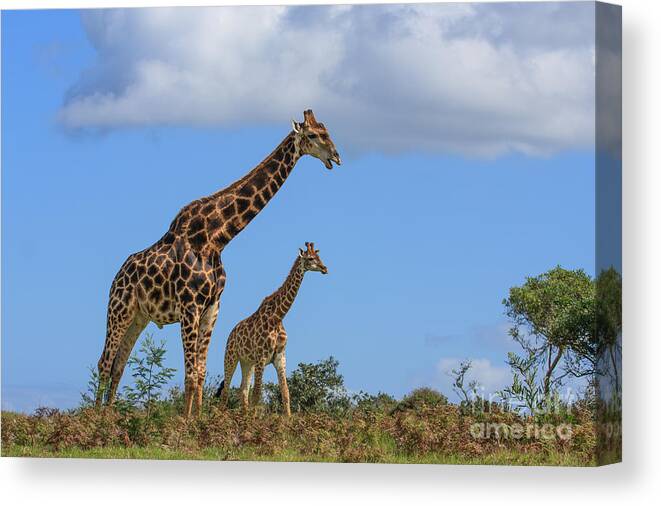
<point>553,317</point>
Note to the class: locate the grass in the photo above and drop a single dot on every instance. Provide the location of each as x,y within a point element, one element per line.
<point>420,435</point>
<point>500,457</point>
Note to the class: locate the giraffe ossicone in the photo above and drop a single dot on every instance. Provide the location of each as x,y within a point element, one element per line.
<point>260,339</point>
<point>181,277</point>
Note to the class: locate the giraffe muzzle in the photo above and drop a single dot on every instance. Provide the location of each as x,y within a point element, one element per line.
<point>329,161</point>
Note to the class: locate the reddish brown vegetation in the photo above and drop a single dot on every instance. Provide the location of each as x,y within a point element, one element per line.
<point>362,436</point>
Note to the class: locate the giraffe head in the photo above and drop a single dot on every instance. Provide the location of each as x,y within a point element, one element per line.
<point>310,260</point>
<point>314,140</point>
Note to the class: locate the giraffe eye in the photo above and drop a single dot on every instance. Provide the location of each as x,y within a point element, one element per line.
<point>312,136</point>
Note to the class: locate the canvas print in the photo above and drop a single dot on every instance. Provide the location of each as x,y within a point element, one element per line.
<point>343,233</point>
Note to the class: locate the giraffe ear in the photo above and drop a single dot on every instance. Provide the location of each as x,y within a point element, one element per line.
<point>300,252</point>
<point>296,126</point>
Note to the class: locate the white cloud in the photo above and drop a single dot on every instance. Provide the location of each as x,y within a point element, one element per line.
<point>490,377</point>
<point>468,78</point>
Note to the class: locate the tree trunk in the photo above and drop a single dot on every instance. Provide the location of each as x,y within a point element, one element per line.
<point>552,365</point>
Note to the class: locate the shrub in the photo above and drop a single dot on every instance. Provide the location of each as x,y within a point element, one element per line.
<point>88,398</point>
<point>149,375</point>
<point>380,403</point>
<point>422,397</point>
<point>363,436</point>
<point>312,387</point>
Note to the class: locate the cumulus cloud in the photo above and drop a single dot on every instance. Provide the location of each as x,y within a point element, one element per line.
<point>490,377</point>
<point>475,79</point>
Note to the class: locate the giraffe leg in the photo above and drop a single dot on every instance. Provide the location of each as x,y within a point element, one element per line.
<point>257,389</point>
<point>246,374</point>
<point>190,324</point>
<point>118,322</point>
<point>207,322</point>
<point>231,361</point>
<point>128,342</point>
<point>280,366</point>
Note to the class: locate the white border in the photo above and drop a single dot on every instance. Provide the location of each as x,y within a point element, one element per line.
<point>35,481</point>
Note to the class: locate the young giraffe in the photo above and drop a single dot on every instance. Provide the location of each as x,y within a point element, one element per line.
<point>181,277</point>
<point>260,339</point>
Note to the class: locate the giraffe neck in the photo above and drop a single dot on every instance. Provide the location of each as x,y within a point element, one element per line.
<point>211,222</point>
<point>283,298</point>
<point>239,203</point>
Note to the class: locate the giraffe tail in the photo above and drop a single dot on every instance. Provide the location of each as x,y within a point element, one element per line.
<point>220,389</point>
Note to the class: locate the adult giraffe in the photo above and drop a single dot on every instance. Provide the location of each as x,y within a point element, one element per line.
<point>181,277</point>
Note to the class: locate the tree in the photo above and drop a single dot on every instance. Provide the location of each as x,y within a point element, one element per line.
<point>553,317</point>
<point>467,393</point>
<point>88,398</point>
<point>525,389</point>
<point>149,375</point>
<point>609,321</point>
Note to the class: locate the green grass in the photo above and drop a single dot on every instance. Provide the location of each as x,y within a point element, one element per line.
<point>501,457</point>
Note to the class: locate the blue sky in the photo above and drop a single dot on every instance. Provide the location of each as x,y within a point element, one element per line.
<point>422,235</point>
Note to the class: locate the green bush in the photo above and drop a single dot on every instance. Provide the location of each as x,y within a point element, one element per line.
<point>379,403</point>
<point>312,388</point>
<point>422,397</point>
<point>149,375</point>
